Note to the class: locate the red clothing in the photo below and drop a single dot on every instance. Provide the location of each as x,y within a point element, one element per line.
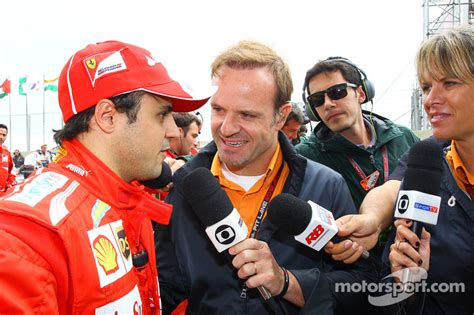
<point>100,220</point>
<point>7,179</point>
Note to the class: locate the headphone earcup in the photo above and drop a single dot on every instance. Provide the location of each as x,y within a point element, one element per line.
<point>312,115</point>
<point>369,90</point>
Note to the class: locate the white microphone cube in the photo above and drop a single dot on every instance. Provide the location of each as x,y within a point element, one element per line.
<point>417,206</point>
<point>320,230</point>
<point>227,232</point>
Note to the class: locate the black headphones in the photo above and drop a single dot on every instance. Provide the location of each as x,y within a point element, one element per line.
<point>367,87</point>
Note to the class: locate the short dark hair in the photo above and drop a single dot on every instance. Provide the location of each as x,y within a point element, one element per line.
<point>128,103</point>
<point>333,64</point>
<point>184,120</point>
<point>295,114</point>
<point>4,126</point>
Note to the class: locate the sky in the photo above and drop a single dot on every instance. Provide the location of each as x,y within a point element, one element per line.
<point>38,37</point>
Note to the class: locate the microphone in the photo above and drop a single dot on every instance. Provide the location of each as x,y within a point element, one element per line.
<point>418,199</point>
<point>162,180</point>
<point>224,226</point>
<point>311,224</point>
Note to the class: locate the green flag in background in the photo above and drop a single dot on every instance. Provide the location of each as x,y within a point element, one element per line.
<point>51,85</point>
<point>21,82</point>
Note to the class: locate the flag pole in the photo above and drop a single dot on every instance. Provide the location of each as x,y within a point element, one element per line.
<point>27,126</point>
<point>44,117</point>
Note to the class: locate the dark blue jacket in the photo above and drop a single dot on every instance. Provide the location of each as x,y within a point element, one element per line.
<point>190,267</point>
<point>452,252</point>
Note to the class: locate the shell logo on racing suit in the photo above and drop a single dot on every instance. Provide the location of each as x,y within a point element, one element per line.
<point>106,254</point>
<point>111,262</point>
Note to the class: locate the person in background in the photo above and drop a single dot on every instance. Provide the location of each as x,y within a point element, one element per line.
<point>445,67</point>
<point>43,156</point>
<point>180,149</point>
<point>18,159</point>
<point>302,137</point>
<point>293,122</point>
<point>7,179</point>
<point>360,145</point>
<point>253,162</point>
<point>77,237</point>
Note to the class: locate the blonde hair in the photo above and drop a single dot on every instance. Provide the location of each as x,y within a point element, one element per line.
<point>248,54</point>
<point>448,54</point>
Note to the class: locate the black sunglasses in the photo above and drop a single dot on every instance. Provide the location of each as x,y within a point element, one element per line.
<point>335,92</point>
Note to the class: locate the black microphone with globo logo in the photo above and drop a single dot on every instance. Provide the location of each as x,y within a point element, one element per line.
<point>223,224</point>
<point>162,180</point>
<point>310,224</point>
<point>418,199</point>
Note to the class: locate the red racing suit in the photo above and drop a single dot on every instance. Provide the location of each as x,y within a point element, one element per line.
<point>75,238</point>
<point>7,179</point>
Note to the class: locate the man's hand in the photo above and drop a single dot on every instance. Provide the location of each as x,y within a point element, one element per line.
<point>255,263</point>
<point>363,231</point>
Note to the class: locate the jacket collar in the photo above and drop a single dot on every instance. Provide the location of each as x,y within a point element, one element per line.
<point>296,163</point>
<point>88,170</point>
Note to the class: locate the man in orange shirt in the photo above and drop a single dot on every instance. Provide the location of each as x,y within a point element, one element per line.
<point>253,162</point>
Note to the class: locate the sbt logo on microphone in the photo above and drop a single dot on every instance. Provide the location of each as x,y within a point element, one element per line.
<point>320,229</point>
<point>417,206</point>
<point>227,232</point>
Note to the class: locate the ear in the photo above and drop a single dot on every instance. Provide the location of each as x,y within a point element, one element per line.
<point>283,113</point>
<point>360,94</point>
<point>105,115</point>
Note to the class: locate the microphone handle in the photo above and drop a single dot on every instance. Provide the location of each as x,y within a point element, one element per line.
<point>276,308</point>
<point>264,293</point>
<point>417,228</point>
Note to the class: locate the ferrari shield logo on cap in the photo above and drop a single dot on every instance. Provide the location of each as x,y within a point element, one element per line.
<point>91,63</point>
<point>103,64</point>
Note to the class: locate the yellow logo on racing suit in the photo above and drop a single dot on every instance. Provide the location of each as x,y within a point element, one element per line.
<point>106,254</point>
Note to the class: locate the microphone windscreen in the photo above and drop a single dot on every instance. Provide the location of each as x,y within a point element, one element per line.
<point>162,180</point>
<point>206,197</point>
<point>289,213</point>
<point>424,168</point>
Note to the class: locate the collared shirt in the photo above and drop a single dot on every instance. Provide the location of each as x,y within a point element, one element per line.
<point>373,136</point>
<point>459,170</point>
<point>248,202</point>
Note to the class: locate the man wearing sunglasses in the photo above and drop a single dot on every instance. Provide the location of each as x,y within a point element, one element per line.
<point>362,146</point>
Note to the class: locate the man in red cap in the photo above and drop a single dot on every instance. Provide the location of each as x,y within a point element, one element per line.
<point>77,237</point>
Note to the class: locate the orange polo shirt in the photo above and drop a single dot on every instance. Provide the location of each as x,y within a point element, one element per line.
<point>458,169</point>
<point>248,203</point>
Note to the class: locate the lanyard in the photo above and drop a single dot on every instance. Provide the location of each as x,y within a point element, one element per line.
<point>361,173</point>
<point>264,205</point>
<point>470,190</point>
<point>259,218</point>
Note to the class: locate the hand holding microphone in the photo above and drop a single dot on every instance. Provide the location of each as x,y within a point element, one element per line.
<point>311,224</point>
<point>255,263</point>
<point>408,250</point>
<point>418,202</point>
<point>225,229</point>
